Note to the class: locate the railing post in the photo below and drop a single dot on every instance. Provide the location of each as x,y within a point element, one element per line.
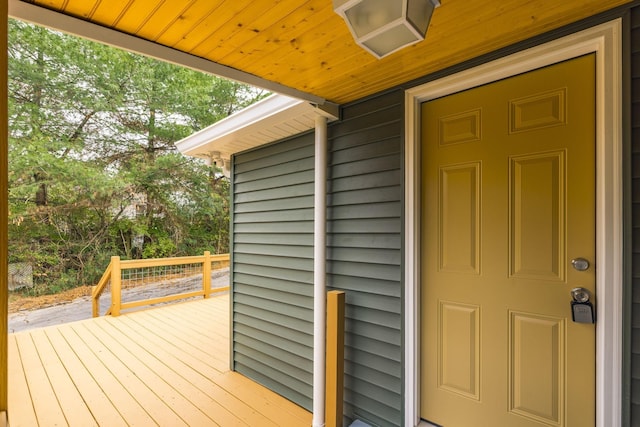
<point>335,358</point>
<point>95,302</point>
<point>206,274</point>
<point>116,286</point>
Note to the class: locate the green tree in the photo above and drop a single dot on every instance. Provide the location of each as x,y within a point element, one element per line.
<point>93,167</point>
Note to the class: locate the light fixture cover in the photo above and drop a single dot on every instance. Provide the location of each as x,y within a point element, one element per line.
<point>385,26</point>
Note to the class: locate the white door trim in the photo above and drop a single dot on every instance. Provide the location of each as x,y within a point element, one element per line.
<point>606,41</point>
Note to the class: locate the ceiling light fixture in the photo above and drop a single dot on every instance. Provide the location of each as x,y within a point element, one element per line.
<point>385,26</point>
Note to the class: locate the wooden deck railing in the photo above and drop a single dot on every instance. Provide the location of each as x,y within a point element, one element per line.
<point>113,277</point>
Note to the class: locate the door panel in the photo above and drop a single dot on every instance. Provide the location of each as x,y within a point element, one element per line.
<point>459,218</point>
<point>536,214</point>
<point>459,356</point>
<point>536,368</point>
<point>508,193</point>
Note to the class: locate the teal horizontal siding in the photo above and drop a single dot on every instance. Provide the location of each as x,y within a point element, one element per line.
<point>368,151</point>
<point>292,215</point>
<point>273,239</point>
<point>276,193</point>
<point>273,182</point>
<point>254,344</point>
<point>381,256</point>
<point>294,251</point>
<point>372,210</point>
<point>287,286</point>
<point>272,281</point>
<point>366,180</point>
<point>367,195</point>
<point>281,169</point>
<point>359,270</point>
<point>273,227</point>
<point>378,240</point>
<point>300,202</point>
<point>297,276</point>
<point>264,371</point>
<point>364,225</point>
<point>275,161</point>
<point>274,323</point>
<point>365,165</point>
<point>273,259</point>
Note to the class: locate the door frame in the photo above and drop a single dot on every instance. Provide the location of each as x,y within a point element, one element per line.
<point>605,41</point>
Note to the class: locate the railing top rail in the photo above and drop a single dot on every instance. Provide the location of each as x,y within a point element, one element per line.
<point>158,262</point>
<point>102,283</point>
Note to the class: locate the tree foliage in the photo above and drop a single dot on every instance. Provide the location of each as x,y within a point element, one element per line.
<point>94,171</point>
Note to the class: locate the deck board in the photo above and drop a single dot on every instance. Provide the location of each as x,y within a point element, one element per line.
<point>181,342</point>
<point>45,401</point>
<point>92,394</point>
<point>166,366</point>
<point>117,360</point>
<point>70,400</point>
<point>19,387</point>
<point>205,375</point>
<point>108,379</point>
<point>194,389</point>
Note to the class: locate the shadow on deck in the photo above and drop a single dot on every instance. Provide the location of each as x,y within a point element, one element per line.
<point>165,366</point>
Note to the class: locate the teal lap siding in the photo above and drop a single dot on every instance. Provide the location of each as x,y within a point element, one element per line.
<point>272,230</point>
<point>364,239</point>
<point>273,259</point>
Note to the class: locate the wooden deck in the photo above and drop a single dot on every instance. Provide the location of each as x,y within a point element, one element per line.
<point>165,366</point>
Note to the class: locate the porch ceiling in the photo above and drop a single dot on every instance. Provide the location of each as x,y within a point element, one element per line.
<point>306,46</point>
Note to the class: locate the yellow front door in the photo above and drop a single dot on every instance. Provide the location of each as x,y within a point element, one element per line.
<point>508,202</point>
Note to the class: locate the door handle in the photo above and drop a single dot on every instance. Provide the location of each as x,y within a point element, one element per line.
<point>581,308</point>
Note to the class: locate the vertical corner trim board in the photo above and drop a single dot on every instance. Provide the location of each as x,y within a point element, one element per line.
<point>4,210</point>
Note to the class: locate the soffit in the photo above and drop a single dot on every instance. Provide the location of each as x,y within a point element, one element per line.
<point>304,45</point>
<point>273,118</point>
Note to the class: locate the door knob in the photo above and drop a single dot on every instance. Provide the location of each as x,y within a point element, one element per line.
<point>581,307</point>
<point>580,295</point>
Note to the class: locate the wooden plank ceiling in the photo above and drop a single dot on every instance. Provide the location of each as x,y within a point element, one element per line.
<point>306,46</point>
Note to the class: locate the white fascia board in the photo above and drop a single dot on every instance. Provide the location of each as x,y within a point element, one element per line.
<point>227,135</point>
<point>247,117</point>
<point>71,25</point>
